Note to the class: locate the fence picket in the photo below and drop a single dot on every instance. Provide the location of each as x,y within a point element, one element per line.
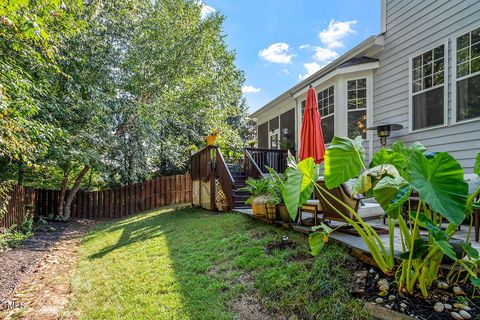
<point>104,204</point>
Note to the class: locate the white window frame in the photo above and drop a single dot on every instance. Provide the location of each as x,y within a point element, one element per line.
<point>454,77</point>
<point>367,101</point>
<point>445,88</point>
<point>334,108</point>
<point>276,133</point>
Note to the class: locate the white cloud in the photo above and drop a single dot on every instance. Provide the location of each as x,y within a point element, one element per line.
<point>250,89</point>
<point>336,31</point>
<point>325,54</point>
<point>206,10</point>
<point>311,69</point>
<point>304,46</point>
<point>276,53</point>
<point>285,70</point>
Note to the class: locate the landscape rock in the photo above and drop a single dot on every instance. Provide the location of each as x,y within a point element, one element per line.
<point>448,306</point>
<point>465,314</point>
<point>384,287</point>
<point>442,285</point>
<point>391,297</point>
<point>458,291</point>
<point>403,305</point>
<point>439,307</point>
<point>461,306</point>
<point>382,282</point>
<point>379,300</point>
<point>371,270</point>
<point>456,315</point>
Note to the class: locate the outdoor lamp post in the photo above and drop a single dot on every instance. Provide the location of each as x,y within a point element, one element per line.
<point>383,131</point>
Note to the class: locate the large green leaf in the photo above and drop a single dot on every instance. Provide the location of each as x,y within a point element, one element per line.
<point>317,240</point>
<point>440,183</point>
<point>299,185</point>
<point>369,178</point>
<point>446,248</point>
<point>476,166</point>
<point>399,146</point>
<point>344,160</point>
<point>471,251</point>
<point>386,156</point>
<point>391,194</point>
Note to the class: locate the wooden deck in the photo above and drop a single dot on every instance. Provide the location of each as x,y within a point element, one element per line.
<point>356,242</point>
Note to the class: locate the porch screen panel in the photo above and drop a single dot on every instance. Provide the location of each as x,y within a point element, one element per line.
<point>263,135</point>
<point>274,124</point>
<point>287,130</point>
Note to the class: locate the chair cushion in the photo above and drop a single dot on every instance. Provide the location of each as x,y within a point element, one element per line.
<point>370,210</point>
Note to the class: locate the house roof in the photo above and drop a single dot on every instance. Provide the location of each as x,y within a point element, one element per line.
<point>355,56</point>
<point>357,61</point>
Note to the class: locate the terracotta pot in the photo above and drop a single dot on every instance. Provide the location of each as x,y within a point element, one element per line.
<point>283,213</point>
<point>211,140</point>
<point>271,211</point>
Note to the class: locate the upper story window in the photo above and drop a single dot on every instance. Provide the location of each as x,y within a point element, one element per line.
<point>326,107</point>
<point>427,87</point>
<point>468,75</point>
<point>357,108</point>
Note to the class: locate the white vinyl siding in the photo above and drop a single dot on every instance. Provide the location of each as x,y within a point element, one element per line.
<point>413,27</point>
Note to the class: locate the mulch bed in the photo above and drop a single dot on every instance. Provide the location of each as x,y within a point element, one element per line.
<point>18,262</point>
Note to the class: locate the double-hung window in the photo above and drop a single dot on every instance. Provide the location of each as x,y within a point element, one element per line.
<point>326,107</point>
<point>428,89</point>
<point>357,108</point>
<point>467,81</point>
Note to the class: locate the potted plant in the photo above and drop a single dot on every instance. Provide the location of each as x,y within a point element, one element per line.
<point>212,138</point>
<point>275,189</point>
<point>258,189</point>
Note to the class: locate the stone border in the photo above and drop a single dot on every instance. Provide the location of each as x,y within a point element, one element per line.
<point>381,313</point>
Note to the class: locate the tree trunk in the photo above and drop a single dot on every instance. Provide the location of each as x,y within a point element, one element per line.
<point>71,195</point>
<point>63,191</point>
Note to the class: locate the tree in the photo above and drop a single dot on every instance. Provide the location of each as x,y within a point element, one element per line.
<point>125,88</point>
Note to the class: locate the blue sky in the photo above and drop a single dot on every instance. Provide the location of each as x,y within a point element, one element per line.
<point>277,42</point>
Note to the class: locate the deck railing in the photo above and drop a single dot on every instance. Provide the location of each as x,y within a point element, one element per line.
<point>276,159</point>
<point>202,162</point>
<point>250,167</point>
<point>224,176</point>
<point>209,164</point>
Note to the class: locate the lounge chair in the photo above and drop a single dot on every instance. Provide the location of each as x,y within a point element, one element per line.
<point>366,209</point>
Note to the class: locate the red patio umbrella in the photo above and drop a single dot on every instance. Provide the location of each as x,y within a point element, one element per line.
<point>311,142</point>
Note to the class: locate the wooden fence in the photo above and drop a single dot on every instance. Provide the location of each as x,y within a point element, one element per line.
<point>104,204</point>
<point>20,201</point>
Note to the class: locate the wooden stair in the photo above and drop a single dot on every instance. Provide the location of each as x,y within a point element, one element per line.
<point>238,197</point>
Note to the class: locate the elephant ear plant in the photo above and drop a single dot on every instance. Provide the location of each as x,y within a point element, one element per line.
<point>391,178</point>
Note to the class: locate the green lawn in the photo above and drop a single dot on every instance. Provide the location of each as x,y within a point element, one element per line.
<point>192,264</point>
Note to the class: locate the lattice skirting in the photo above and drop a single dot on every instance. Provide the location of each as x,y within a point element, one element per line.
<point>205,194</point>
<point>221,199</point>
<point>196,192</point>
<point>201,195</point>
